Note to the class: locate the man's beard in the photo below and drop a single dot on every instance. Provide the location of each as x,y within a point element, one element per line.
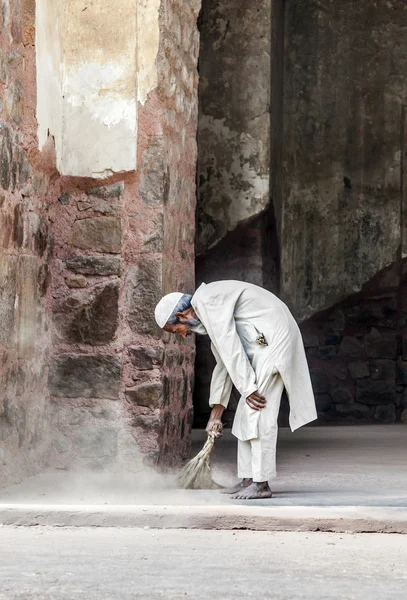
<point>196,326</point>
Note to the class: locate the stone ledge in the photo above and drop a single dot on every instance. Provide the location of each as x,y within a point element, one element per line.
<point>339,519</point>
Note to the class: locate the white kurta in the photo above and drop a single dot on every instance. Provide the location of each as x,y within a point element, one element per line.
<point>234,313</point>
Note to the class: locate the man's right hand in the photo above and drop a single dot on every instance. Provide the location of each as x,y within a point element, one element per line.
<point>215,425</point>
<point>256,401</point>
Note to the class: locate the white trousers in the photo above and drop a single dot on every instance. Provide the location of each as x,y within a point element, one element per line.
<point>256,458</point>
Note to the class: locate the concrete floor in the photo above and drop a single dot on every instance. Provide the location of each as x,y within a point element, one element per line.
<point>123,564</point>
<point>317,466</point>
<point>329,473</point>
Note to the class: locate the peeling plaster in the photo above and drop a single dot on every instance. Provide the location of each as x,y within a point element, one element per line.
<point>148,40</point>
<point>90,75</point>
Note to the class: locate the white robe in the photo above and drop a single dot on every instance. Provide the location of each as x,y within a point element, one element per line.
<point>234,314</point>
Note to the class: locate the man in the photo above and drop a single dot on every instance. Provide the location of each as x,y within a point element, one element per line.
<point>258,348</point>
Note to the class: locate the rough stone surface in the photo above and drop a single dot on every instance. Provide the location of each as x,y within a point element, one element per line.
<point>107,192</point>
<point>95,265</point>
<point>375,392</point>
<point>103,234</point>
<point>144,293</point>
<point>234,122</point>
<point>341,170</point>
<point>145,358</point>
<point>76,281</point>
<point>146,394</point>
<point>89,317</point>
<point>85,376</point>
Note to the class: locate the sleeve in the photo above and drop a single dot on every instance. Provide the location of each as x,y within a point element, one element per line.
<point>220,323</point>
<point>221,384</point>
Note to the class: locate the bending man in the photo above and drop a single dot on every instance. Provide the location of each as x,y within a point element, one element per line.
<point>258,347</point>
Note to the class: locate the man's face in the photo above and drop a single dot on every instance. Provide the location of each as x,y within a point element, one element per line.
<point>187,320</point>
<point>180,329</point>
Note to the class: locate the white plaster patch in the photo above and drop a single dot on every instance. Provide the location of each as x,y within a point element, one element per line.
<point>98,88</point>
<point>91,72</point>
<point>148,41</point>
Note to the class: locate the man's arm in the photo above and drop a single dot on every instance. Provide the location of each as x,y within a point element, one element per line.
<point>221,384</point>
<point>221,327</point>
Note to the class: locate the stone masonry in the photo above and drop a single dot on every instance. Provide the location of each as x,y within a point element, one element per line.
<point>330,234</point>
<point>87,378</point>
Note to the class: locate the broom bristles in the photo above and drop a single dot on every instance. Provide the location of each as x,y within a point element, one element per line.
<point>196,475</point>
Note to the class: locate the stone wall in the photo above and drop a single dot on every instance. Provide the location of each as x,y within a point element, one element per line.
<point>344,88</point>
<point>26,243</point>
<point>336,222</point>
<point>357,354</point>
<point>88,378</point>
<point>120,247</point>
<point>234,117</point>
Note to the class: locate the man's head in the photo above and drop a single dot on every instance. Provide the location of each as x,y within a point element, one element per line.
<point>174,313</point>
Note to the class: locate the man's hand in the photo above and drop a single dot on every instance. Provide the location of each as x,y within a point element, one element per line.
<point>215,425</point>
<point>256,401</point>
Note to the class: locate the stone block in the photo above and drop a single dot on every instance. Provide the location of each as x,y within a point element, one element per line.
<point>327,352</point>
<point>64,198</point>
<point>145,358</point>
<point>320,381</point>
<point>106,192</point>
<point>382,369</point>
<point>144,293</point>
<point>358,369</point>
<point>97,442</point>
<point>76,281</point>
<point>404,416</point>
<point>6,156</point>
<point>323,402</point>
<point>102,234</point>
<point>354,411</point>
<point>351,346</point>
<point>8,286</point>
<point>337,320</point>
<point>104,208</point>
<point>331,340</point>
<point>85,376</point>
<point>341,395</point>
<point>27,312</point>
<point>404,347</point>
<point>146,394</point>
<point>380,344</point>
<point>403,401</point>
<point>336,370</point>
<point>154,241</point>
<point>377,392</point>
<point>89,317</point>
<point>402,372</point>
<point>153,174</point>
<point>385,414</point>
<point>311,340</point>
<point>95,265</point>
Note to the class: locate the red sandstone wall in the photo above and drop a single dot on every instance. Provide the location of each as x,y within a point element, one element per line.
<point>120,245</point>
<point>86,373</point>
<point>25,249</point>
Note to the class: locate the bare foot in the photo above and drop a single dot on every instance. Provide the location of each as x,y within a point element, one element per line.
<point>255,491</point>
<point>238,487</point>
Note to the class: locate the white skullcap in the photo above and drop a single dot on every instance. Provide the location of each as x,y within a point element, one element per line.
<point>165,308</point>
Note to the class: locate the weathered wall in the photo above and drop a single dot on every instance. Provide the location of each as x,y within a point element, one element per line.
<point>115,379</point>
<point>86,373</point>
<point>345,82</point>
<point>25,251</point>
<point>234,121</point>
<point>337,217</point>
<point>87,83</point>
<point>357,354</point>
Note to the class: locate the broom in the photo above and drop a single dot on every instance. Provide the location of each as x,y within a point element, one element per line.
<point>196,475</point>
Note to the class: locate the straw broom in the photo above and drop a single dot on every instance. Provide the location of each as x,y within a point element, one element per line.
<point>196,475</point>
